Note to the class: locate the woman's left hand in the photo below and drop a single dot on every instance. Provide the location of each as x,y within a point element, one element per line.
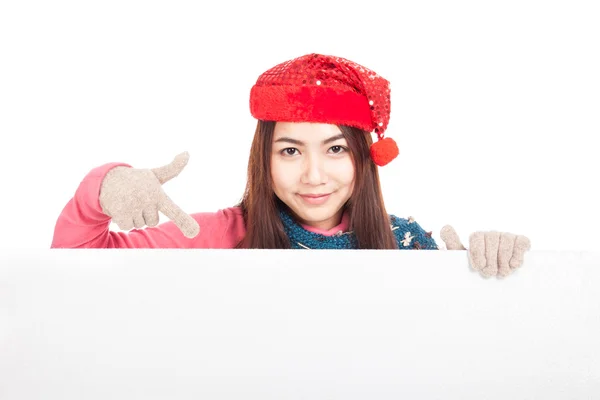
<point>491,253</point>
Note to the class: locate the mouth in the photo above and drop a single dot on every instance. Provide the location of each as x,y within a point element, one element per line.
<point>315,199</point>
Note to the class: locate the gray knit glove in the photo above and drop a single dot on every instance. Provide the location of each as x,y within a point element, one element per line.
<point>133,197</point>
<point>491,253</point>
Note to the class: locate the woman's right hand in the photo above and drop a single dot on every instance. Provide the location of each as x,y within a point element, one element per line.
<point>133,197</point>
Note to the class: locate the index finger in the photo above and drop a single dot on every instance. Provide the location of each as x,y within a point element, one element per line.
<point>186,223</point>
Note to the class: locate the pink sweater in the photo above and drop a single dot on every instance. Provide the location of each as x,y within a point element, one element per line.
<point>82,224</point>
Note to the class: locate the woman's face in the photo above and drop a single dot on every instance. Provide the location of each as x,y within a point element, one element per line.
<point>312,171</point>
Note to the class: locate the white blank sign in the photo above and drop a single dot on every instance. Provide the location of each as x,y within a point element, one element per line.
<point>295,324</point>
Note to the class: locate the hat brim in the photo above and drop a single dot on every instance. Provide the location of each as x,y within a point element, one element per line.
<point>310,104</point>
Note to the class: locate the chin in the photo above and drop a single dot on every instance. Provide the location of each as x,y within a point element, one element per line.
<point>315,215</point>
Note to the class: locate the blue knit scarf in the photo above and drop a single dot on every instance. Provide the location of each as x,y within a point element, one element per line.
<point>408,234</point>
<point>300,238</point>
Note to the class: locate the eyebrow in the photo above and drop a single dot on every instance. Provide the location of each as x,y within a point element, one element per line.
<point>301,143</point>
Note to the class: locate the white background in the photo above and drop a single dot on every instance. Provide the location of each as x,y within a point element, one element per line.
<point>495,105</point>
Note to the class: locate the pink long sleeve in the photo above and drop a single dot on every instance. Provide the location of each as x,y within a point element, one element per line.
<point>82,224</point>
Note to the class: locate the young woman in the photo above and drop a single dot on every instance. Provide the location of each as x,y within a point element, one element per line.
<point>312,182</point>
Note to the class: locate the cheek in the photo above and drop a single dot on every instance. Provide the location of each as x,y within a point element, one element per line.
<point>282,175</point>
<point>344,172</point>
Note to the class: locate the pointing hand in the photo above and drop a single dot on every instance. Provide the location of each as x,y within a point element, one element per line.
<point>133,197</point>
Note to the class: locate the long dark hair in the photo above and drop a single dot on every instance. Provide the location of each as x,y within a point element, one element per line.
<point>260,206</point>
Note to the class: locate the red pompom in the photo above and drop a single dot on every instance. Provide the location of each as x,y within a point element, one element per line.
<point>384,151</point>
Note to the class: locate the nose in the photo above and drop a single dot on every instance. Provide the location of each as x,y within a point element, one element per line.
<point>314,172</point>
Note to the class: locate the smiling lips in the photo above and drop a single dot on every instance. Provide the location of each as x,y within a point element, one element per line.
<point>315,199</point>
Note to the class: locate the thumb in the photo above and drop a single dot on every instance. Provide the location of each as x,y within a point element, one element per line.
<point>450,237</point>
<point>171,170</point>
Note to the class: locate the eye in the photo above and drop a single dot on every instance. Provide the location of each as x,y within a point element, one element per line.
<point>337,149</point>
<point>289,151</point>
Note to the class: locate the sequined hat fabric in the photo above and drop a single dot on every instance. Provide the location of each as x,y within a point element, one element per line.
<point>326,89</point>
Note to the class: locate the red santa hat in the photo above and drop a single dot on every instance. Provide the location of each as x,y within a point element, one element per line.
<point>327,89</point>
